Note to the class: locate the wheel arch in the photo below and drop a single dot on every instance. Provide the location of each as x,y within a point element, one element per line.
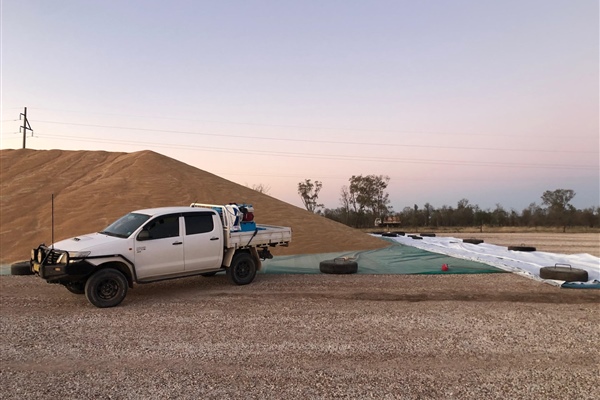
<point>121,267</point>
<point>228,258</point>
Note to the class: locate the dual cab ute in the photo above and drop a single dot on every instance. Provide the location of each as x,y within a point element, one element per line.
<point>157,244</point>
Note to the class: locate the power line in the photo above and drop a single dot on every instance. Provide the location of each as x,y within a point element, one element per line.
<point>316,141</point>
<point>329,156</point>
<point>478,134</point>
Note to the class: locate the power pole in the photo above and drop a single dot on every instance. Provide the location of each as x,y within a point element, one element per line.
<point>25,126</point>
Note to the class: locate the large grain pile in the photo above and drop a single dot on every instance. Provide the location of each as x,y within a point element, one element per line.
<point>93,188</point>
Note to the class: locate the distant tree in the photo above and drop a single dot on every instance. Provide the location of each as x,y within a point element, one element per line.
<point>513,218</point>
<point>590,217</point>
<point>499,216</point>
<point>309,193</point>
<point>417,216</point>
<point>427,213</point>
<point>464,213</point>
<point>338,215</point>
<point>533,215</point>
<point>559,210</point>
<point>406,216</point>
<point>364,200</point>
<point>345,200</point>
<point>481,217</point>
<point>261,188</point>
<point>368,193</point>
<point>442,216</point>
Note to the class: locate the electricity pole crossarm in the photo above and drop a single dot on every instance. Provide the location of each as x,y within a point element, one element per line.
<point>25,125</point>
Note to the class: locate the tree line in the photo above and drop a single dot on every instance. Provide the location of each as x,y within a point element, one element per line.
<point>365,200</point>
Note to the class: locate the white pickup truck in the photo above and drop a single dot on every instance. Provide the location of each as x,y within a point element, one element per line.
<point>156,244</point>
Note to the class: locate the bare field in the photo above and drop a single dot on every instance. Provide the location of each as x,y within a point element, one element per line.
<point>548,241</point>
<point>495,336</point>
<point>563,243</point>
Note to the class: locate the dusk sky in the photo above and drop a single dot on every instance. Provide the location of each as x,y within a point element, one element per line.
<point>492,101</point>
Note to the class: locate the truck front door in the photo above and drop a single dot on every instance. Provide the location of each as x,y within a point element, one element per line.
<point>159,248</point>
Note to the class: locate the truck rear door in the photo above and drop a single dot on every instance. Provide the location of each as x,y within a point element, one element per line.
<point>202,241</point>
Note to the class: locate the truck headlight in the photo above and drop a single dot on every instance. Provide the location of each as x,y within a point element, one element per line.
<point>79,254</point>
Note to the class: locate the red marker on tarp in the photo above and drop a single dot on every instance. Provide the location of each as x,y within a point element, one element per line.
<point>444,267</point>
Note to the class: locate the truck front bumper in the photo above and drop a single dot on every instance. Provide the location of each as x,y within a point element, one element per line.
<point>55,265</point>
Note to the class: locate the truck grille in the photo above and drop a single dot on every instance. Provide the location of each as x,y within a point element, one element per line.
<point>50,256</point>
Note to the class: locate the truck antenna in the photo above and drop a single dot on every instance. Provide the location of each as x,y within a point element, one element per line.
<point>52,221</point>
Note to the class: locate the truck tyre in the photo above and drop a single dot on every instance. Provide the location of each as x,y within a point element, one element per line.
<point>567,274</point>
<point>75,287</point>
<point>242,269</point>
<point>338,266</point>
<point>106,288</point>
<point>21,268</point>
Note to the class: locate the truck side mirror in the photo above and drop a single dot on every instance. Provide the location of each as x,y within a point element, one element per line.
<point>144,235</point>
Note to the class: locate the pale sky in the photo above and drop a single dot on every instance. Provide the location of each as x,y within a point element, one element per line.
<point>493,101</point>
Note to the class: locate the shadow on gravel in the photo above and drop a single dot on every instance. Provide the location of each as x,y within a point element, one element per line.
<point>557,298</point>
<point>549,298</point>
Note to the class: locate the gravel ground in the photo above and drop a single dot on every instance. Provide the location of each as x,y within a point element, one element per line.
<point>493,336</point>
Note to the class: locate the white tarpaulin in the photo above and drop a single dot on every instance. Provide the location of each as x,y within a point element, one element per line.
<point>525,263</point>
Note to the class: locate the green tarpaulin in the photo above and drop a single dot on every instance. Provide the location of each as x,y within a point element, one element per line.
<point>395,259</point>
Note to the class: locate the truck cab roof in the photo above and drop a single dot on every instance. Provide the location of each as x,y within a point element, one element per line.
<point>169,210</point>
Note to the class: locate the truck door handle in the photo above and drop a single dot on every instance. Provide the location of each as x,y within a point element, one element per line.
<point>177,243</point>
<point>214,238</point>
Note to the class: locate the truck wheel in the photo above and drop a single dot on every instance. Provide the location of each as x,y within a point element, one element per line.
<point>21,268</point>
<point>242,269</point>
<point>106,288</point>
<point>75,287</point>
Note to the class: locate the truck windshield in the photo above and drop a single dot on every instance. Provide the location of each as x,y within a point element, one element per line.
<point>126,225</point>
